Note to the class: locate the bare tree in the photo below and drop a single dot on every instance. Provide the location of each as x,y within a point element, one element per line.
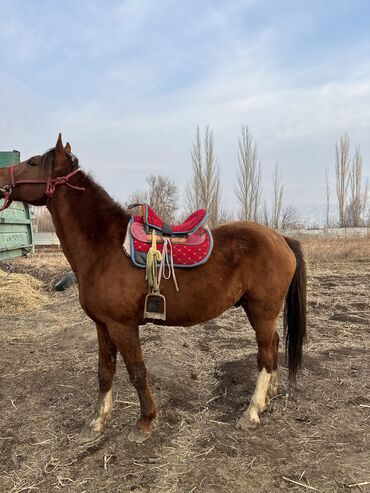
<point>42,220</point>
<point>161,194</point>
<point>138,197</point>
<point>225,216</point>
<point>249,188</point>
<point>205,187</point>
<point>265,215</point>
<point>367,221</point>
<point>342,170</point>
<point>289,218</point>
<point>358,199</point>
<point>327,199</point>
<point>277,197</point>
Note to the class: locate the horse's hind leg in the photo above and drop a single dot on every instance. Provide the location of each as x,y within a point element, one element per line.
<point>267,340</point>
<point>106,370</point>
<point>273,387</point>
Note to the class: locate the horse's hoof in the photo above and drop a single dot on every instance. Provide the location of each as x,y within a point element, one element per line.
<point>88,435</point>
<point>138,436</point>
<point>248,422</point>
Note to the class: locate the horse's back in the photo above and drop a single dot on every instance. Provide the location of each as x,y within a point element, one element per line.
<point>254,240</point>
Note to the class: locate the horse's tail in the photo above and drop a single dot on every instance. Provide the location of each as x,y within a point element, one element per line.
<point>295,312</point>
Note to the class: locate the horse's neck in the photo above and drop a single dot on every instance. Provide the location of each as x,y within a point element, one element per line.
<point>89,223</point>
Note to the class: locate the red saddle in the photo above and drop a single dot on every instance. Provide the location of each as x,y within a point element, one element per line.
<point>190,225</point>
<point>191,241</point>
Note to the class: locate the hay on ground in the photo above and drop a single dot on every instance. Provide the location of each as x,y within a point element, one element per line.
<point>20,293</point>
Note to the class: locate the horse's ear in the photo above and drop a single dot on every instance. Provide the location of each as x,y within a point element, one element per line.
<point>59,149</point>
<point>67,148</point>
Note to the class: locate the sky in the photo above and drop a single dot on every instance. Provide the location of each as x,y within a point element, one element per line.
<point>127,82</point>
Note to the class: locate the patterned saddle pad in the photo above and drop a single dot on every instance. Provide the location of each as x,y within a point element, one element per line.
<point>188,250</point>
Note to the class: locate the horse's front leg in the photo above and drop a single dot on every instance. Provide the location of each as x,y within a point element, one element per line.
<point>126,338</point>
<point>106,370</point>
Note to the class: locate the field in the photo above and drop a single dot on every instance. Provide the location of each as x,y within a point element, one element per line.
<point>314,437</point>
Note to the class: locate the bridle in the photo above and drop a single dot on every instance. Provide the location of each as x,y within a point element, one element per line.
<point>51,184</point>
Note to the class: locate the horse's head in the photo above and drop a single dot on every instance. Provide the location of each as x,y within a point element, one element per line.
<point>34,180</point>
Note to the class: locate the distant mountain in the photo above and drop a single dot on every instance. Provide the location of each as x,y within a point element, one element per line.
<point>315,214</point>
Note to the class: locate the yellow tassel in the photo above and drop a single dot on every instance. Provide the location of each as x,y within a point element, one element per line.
<point>153,256</point>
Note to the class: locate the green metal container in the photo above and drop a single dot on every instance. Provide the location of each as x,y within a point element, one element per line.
<point>16,236</point>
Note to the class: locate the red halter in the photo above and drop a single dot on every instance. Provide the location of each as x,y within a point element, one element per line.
<point>51,184</point>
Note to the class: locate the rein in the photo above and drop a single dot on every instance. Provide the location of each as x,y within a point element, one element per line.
<point>51,184</point>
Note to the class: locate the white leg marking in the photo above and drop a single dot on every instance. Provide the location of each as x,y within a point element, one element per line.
<point>103,411</point>
<point>258,402</point>
<point>273,387</point>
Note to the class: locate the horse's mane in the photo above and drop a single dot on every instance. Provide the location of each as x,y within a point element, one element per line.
<point>103,210</point>
<point>103,200</point>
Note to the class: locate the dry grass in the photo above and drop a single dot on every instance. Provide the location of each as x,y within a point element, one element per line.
<point>334,249</point>
<point>48,265</point>
<point>20,293</point>
<point>202,377</point>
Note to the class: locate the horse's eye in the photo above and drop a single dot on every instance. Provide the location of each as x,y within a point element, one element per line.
<point>31,163</point>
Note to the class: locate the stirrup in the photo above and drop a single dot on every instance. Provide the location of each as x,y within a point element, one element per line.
<point>155,306</point>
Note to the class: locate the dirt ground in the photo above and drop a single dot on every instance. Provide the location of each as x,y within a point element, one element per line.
<point>202,378</point>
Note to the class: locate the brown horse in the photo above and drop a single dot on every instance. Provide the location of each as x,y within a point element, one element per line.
<point>251,265</point>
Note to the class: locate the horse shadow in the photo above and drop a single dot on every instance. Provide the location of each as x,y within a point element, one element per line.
<point>236,382</point>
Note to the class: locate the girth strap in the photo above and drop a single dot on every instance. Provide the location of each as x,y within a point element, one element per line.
<point>167,229</point>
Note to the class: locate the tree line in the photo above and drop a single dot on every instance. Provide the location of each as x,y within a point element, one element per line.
<point>204,189</point>
<point>352,191</point>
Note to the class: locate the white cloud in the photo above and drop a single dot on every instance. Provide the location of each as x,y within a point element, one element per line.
<point>129,97</point>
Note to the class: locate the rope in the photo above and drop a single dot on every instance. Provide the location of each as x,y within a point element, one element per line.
<point>153,257</point>
<point>51,183</point>
<point>167,259</point>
